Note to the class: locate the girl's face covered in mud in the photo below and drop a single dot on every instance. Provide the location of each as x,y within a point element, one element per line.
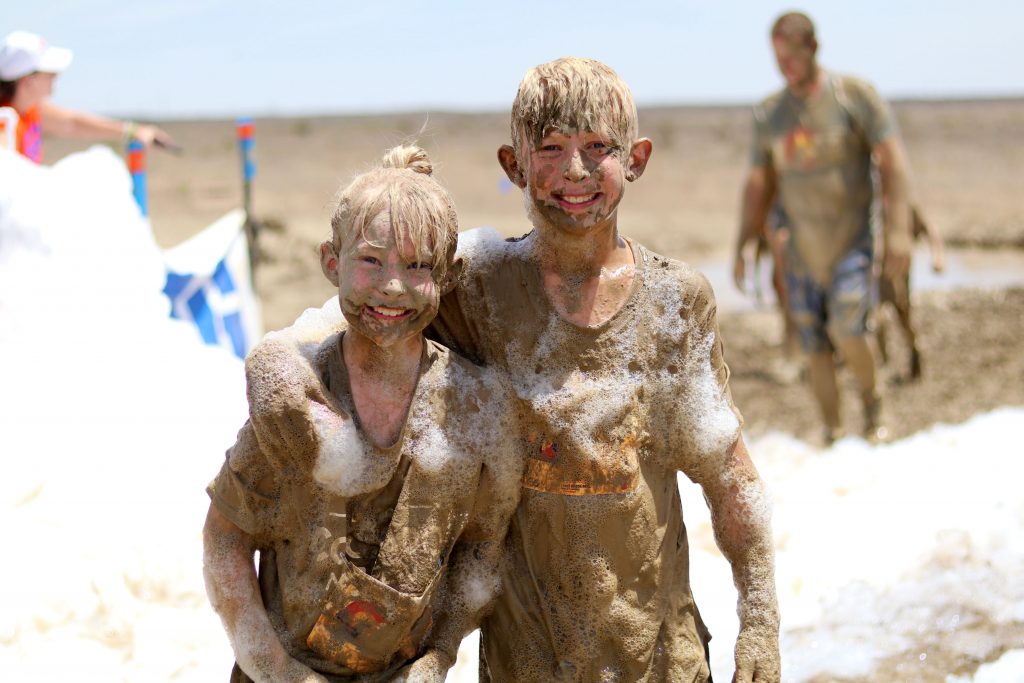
<point>387,293</point>
<point>574,179</point>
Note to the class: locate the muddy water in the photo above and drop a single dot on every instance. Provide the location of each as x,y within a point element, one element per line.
<point>965,269</point>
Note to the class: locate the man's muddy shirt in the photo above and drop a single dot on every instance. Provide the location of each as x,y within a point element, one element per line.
<point>820,148</point>
<point>597,583</point>
<point>367,565</point>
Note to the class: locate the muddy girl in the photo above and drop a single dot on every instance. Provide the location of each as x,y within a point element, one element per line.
<point>373,475</point>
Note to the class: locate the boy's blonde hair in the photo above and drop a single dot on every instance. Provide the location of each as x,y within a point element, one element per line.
<point>418,206</point>
<point>573,93</point>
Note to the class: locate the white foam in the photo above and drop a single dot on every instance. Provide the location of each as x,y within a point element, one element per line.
<point>342,464</point>
<point>112,419</point>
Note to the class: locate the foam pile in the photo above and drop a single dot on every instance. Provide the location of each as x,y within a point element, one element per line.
<point>112,419</point>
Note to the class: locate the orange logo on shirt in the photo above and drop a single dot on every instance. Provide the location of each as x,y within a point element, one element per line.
<point>549,450</point>
<point>799,147</point>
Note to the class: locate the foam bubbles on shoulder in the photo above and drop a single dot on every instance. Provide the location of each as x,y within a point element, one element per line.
<point>476,241</point>
<point>311,328</point>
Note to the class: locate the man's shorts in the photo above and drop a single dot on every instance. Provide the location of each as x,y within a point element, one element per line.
<point>839,310</point>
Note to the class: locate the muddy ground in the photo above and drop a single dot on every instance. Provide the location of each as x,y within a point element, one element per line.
<point>967,161</point>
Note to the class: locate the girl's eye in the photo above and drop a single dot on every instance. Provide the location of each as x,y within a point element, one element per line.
<point>422,265</point>
<point>370,259</point>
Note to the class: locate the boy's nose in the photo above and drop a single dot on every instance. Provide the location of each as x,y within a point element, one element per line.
<point>575,170</point>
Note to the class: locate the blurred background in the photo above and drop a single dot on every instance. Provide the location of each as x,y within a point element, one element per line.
<point>875,543</point>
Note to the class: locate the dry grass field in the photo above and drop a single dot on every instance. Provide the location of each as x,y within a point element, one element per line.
<point>967,160</point>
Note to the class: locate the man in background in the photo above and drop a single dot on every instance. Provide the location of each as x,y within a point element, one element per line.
<point>814,145</point>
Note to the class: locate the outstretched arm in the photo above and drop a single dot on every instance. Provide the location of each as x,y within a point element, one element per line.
<point>741,518</point>
<point>234,593</point>
<point>71,123</point>
<point>758,194</point>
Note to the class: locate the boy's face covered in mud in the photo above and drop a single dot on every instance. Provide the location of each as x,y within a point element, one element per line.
<point>387,293</point>
<point>574,179</point>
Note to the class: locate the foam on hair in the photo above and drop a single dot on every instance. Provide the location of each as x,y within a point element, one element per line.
<point>574,93</point>
<point>402,186</point>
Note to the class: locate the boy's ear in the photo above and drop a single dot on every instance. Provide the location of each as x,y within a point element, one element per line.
<point>639,155</point>
<point>452,276</point>
<point>329,261</point>
<point>508,161</point>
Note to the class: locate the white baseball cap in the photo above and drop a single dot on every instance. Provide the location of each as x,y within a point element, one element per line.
<point>23,53</point>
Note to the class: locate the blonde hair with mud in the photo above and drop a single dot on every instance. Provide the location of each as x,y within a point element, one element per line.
<point>418,206</point>
<point>573,93</point>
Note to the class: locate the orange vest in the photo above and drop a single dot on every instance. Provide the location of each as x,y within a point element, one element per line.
<point>30,135</point>
<point>22,132</point>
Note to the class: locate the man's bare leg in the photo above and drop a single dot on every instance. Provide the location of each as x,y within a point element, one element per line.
<point>857,353</point>
<point>822,373</point>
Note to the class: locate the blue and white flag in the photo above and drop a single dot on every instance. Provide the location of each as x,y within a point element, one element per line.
<point>208,283</point>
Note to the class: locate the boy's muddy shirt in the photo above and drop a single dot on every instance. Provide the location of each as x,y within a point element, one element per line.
<point>820,147</point>
<point>597,588</point>
<point>350,566</point>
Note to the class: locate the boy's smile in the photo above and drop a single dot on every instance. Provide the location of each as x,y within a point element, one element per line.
<point>574,179</point>
<point>386,293</point>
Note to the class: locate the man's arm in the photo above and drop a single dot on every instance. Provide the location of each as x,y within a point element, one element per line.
<point>892,171</point>
<point>71,123</point>
<point>758,195</point>
<point>235,595</point>
<point>741,519</point>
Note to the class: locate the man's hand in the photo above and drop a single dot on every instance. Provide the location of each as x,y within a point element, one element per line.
<point>757,656</point>
<point>897,255</point>
<point>739,271</point>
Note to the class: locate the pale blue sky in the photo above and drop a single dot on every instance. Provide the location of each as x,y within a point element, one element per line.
<point>172,58</point>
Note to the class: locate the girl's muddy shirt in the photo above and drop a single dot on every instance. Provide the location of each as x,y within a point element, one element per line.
<point>355,540</point>
<point>598,580</point>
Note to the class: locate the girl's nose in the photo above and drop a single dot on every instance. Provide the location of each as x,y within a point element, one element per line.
<point>393,287</point>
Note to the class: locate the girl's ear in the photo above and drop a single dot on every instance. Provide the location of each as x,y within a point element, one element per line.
<point>452,276</point>
<point>329,261</point>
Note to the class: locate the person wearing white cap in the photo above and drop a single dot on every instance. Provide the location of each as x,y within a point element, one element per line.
<point>28,67</point>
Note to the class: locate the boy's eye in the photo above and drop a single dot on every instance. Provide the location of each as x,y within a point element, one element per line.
<point>370,259</point>
<point>421,265</point>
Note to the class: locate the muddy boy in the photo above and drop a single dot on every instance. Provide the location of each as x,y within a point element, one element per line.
<point>614,357</point>
<point>369,475</point>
